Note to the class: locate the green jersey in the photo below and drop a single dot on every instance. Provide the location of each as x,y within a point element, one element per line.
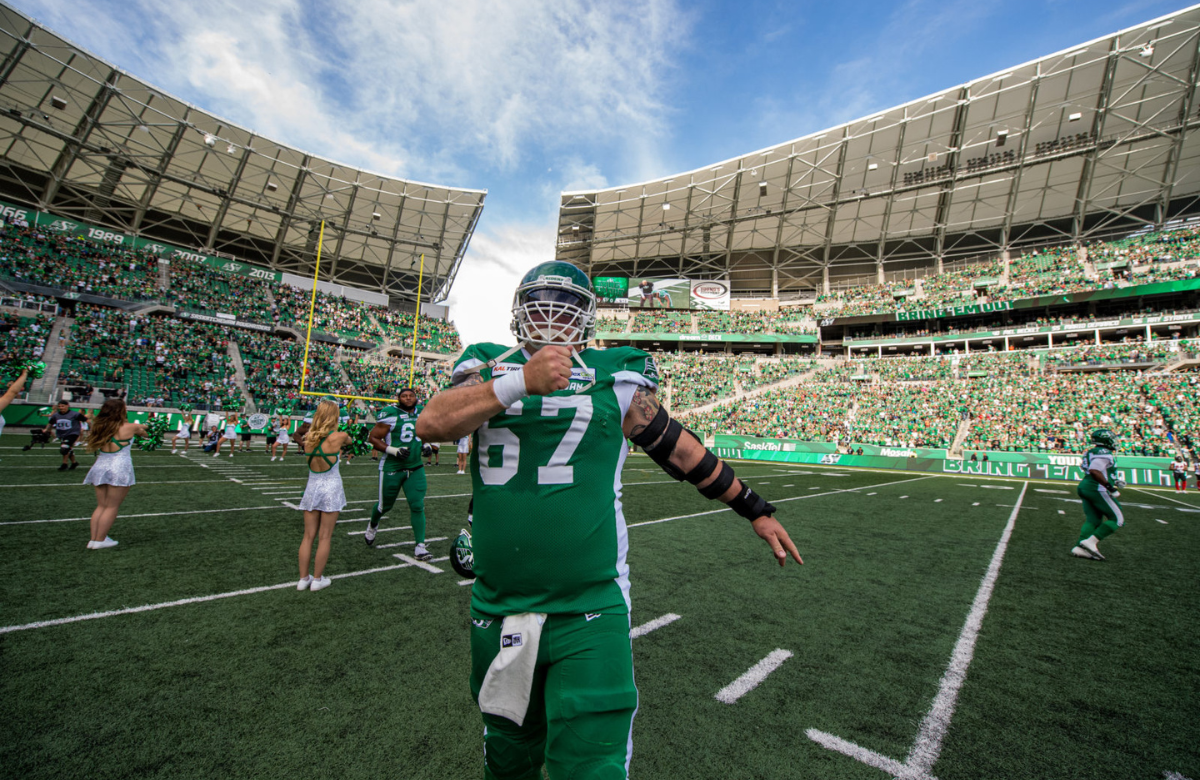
<point>1101,459</point>
<point>402,432</point>
<point>549,534</point>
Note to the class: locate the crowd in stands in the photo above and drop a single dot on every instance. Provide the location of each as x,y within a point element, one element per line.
<point>652,321</point>
<point>608,323</point>
<point>957,287</point>
<point>177,361</point>
<point>433,335</point>
<point>274,368</point>
<point>1113,354</point>
<point>811,412</point>
<point>199,288</point>
<point>698,379</point>
<point>23,337</point>
<point>906,415</point>
<point>1049,412</point>
<point>36,256</point>
<point>1143,259</point>
<point>776,370</point>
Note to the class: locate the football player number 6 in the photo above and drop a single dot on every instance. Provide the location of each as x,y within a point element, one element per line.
<point>557,471</point>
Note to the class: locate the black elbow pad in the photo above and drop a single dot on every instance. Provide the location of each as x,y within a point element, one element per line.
<point>718,486</point>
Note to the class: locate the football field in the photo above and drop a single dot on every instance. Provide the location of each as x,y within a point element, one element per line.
<point>939,628</point>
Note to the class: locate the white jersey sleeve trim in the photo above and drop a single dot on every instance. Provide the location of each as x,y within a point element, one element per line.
<point>464,366</point>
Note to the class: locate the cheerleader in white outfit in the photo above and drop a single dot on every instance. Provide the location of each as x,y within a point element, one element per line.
<point>282,440</point>
<point>324,497</point>
<point>112,473</point>
<point>231,424</point>
<point>184,432</point>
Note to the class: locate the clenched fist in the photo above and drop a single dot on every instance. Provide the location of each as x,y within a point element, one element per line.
<point>548,370</point>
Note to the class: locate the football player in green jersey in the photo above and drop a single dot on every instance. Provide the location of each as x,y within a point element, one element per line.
<point>1099,490</point>
<point>552,667</point>
<point>395,437</point>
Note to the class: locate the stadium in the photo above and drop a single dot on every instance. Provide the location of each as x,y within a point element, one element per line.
<point>971,285</point>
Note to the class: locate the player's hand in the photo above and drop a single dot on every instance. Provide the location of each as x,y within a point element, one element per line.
<point>771,530</point>
<point>548,370</point>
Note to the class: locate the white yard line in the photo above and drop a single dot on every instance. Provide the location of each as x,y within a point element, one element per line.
<point>657,623</point>
<point>414,541</point>
<point>401,498</point>
<point>778,501</point>
<point>928,744</point>
<point>378,530</point>
<point>429,567</point>
<point>1164,522</point>
<point>1168,498</point>
<point>144,514</point>
<point>751,679</point>
<point>195,600</point>
<point>465,582</point>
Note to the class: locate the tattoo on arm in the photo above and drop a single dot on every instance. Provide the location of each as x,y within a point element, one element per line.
<point>644,407</point>
<point>468,379</point>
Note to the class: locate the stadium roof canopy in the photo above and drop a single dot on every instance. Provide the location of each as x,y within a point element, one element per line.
<point>1081,144</point>
<point>83,139</point>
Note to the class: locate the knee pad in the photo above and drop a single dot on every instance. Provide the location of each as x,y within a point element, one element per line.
<point>64,449</point>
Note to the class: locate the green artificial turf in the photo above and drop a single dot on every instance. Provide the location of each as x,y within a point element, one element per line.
<point>1081,670</point>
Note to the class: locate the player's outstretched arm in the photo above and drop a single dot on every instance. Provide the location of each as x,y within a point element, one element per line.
<point>683,456</point>
<point>14,389</point>
<point>459,411</point>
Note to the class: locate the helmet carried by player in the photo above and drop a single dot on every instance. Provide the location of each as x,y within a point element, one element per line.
<point>1104,438</point>
<point>554,304</point>
<point>462,556</point>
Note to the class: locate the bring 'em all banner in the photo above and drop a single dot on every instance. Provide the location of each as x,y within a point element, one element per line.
<point>1134,469</point>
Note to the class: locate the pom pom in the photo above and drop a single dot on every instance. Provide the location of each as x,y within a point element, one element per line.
<point>36,369</point>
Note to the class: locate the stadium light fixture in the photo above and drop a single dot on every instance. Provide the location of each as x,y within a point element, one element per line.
<point>375,215</point>
<point>1147,51</point>
<point>210,140</point>
<point>666,207</point>
<point>272,186</point>
<point>58,102</point>
<point>1001,137</point>
<point>872,166</point>
<point>762,188</point>
<point>230,149</point>
<point>1074,117</point>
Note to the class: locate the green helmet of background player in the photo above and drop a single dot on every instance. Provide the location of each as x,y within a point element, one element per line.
<point>554,304</point>
<point>1104,438</point>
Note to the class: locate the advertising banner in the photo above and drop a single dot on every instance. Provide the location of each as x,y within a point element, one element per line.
<point>227,319</point>
<point>731,338</point>
<point>646,293</point>
<point>56,224</point>
<point>710,295</point>
<point>1134,469</point>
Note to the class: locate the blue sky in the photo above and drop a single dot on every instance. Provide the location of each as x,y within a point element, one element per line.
<point>527,99</point>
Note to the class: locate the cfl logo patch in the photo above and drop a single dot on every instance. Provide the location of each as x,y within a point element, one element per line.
<point>510,640</point>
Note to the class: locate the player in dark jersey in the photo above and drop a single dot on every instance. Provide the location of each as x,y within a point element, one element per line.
<point>67,424</point>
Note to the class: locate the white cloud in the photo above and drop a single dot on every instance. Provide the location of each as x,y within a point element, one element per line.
<point>481,299</point>
<point>445,92</point>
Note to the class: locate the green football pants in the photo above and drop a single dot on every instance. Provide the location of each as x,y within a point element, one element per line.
<point>1102,514</point>
<point>414,485</point>
<point>581,705</point>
